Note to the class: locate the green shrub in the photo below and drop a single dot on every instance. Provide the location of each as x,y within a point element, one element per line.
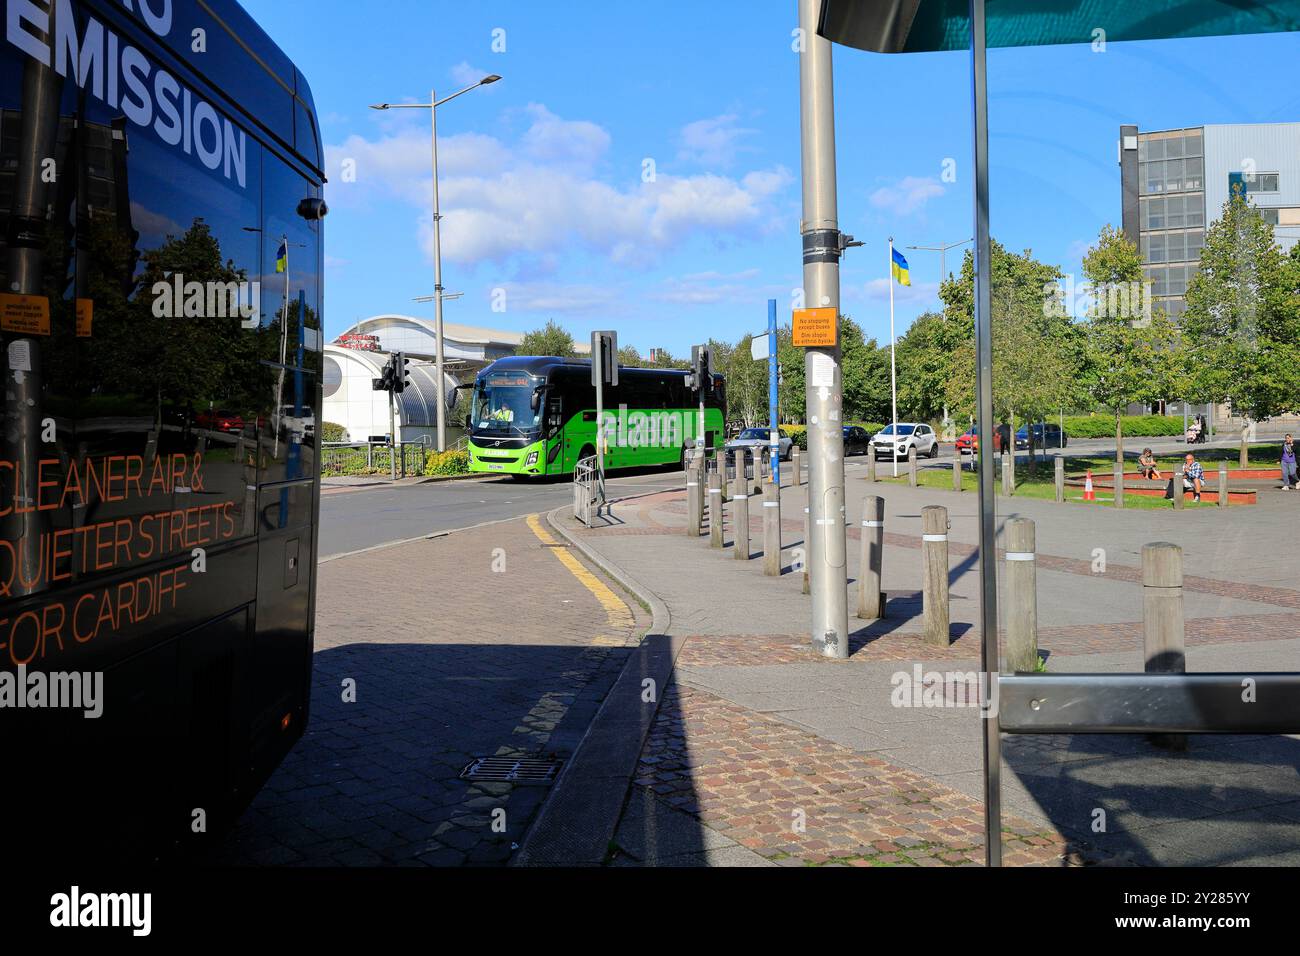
<point>447,463</point>
<point>332,431</point>
<point>1136,426</point>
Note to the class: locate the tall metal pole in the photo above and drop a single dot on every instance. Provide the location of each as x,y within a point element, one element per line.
<point>822,248</point>
<point>773,411</point>
<point>984,419</point>
<point>893,365</point>
<point>437,281</point>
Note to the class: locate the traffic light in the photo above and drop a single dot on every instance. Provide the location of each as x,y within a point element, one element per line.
<point>385,381</point>
<point>401,374</point>
<point>701,378</point>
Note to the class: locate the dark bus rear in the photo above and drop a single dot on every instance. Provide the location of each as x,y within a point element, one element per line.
<point>160,298</point>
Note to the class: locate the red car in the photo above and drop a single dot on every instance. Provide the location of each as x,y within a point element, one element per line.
<point>221,421</point>
<point>969,443</point>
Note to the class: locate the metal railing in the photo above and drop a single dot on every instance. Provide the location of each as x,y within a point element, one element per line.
<point>586,489</point>
<point>372,458</point>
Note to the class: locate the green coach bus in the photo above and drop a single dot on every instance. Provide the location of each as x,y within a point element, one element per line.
<point>536,415</point>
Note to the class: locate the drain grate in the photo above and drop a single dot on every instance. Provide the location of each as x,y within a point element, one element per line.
<point>538,770</point>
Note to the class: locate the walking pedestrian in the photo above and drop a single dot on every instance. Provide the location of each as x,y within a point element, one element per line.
<point>1288,463</point>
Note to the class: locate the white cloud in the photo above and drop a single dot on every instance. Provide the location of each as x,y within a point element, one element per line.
<point>562,298</point>
<point>712,142</point>
<point>710,288</point>
<point>462,75</point>
<point>540,197</point>
<point>909,195</point>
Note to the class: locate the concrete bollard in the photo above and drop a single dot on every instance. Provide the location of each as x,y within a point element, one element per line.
<point>717,519</point>
<point>1179,492</point>
<point>1021,577</point>
<point>1119,486</point>
<point>740,513</point>
<point>1223,484</point>
<point>1163,633</point>
<point>1009,474</point>
<point>796,466</point>
<point>771,530</point>
<point>806,546</point>
<point>956,473</point>
<point>1060,479</point>
<point>694,498</point>
<point>871,599</point>
<point>871,465</point>
<point>911,466</point>
<point>934,586</point>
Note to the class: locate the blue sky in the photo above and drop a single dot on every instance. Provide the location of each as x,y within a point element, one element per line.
<point>546,211</point>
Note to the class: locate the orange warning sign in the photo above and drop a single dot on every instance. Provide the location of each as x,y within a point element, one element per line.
<point>85,314</point>
<point>25,314</point>
<point>816,328</point>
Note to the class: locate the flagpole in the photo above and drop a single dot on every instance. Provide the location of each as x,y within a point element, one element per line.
<point>893,368</point>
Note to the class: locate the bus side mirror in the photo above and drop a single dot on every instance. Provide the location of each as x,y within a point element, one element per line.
<point>535,401</point>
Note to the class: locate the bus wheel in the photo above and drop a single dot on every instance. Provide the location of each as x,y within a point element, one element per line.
<point>588,451</point>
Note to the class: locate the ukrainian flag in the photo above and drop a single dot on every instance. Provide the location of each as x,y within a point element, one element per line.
<point>899,268</point>
<point>282,257</point>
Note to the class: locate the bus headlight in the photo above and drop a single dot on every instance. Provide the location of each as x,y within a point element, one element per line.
<point>532,459</point>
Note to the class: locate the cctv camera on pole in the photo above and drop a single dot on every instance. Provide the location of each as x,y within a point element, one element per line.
<point>604,371</point>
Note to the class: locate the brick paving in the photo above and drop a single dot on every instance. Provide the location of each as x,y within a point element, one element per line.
<point>799,800</point>
<point>451,660</point>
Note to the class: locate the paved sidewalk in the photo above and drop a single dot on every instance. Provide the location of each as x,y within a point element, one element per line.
<point>764,752</point>
<point>496,641</point>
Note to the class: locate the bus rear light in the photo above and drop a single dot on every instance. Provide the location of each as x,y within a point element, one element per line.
<point>285,721</point>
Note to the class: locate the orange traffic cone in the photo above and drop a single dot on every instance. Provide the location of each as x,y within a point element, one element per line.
<point>1088,493</point>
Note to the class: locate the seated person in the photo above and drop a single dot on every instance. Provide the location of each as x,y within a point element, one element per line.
<point>1193,476</point>
<point>1147,465</point>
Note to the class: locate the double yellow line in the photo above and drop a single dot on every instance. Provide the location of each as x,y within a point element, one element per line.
<point>618,615</point>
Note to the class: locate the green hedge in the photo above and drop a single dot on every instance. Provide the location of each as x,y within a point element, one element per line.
<point>799,433</point>
<point>333,431</point>
<point>1137,426</point>
<point>447,463</point>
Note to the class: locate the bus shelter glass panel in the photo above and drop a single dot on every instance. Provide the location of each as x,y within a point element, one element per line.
<point>1139,297</point>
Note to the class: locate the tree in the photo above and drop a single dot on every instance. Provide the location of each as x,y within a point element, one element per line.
<point>924,358</point>
<point>865,370</point>
<point>629,356</point>
<point>551,339</point>
<point>1129,356</point>
<point>1242,322</point>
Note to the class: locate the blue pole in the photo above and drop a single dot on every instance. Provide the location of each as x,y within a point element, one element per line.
<point>772,411</point>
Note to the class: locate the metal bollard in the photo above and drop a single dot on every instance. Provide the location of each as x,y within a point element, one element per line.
<point>806,545</point>
<point>1060,479</point>
<point>1119,486</point>
<point>1021,579</point>
<point>717,518</point>
<point>758,480</point>
<point>871,599</point>
<point>740,515</point>
<point>911,466</point>
<point>1008,474</point>
<point>796,469</point>
<point>934,587</point>
<point>771,530</point>
<point>694,499</point>
<point>1179,492</point>
<point>1223,484</point>
<point>1163,634</point>
<point>956,473</point>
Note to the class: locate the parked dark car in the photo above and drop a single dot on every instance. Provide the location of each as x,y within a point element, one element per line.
<point>857,440</point>
<point>1045,436</point>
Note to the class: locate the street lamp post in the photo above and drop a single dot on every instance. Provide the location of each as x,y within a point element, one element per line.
<point>438,296</point>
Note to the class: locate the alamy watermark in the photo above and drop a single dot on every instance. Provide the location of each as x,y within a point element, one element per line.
<point>944,689</point>
<point>174,298</point>
<point>21,690</point>
<point>1064,298</point>
<point>644,429</point>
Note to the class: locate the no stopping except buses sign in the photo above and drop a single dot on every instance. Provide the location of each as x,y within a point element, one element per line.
<point>815,328</point>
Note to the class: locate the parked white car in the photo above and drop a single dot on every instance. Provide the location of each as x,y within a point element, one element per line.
<point>761,438</point>
<point>895,441</point>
